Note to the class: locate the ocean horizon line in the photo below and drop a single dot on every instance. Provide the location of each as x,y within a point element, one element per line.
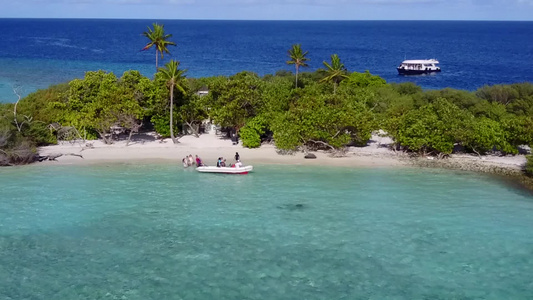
<point>271,20</point>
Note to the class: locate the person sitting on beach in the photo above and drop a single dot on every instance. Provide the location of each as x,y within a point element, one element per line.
<point>219,162</point>
<point>199,162</point>
<point>223,163</point>
<point>185,162</point>
<point>191,160</point>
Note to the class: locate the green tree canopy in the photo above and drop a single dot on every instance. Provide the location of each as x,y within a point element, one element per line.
<point>99,101</point>
<point>235,99</point>
<point>431,128</point>
<point>331,121</point>
<point>363,80</point>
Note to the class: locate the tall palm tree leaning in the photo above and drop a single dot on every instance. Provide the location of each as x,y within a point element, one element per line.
<point>173,77</point>
<point>159,39</point>
<point>335,71</point>
<point>298,59</point>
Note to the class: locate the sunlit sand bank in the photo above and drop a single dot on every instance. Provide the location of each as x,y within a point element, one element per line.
<point>145,148</point>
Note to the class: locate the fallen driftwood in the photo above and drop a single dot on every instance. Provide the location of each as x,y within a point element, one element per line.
<point>56,155</point>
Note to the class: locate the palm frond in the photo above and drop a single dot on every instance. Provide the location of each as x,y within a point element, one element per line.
<point>158,38</point>
<point>172,74</point>
<point>297,58</point>
<point>335,72</point>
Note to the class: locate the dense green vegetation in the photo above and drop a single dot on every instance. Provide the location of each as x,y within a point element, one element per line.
<point>330,108</point>
<point>317,114</point>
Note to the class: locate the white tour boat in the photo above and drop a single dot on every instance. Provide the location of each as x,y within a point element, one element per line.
<point>418,66</point>
<point>225,170</point>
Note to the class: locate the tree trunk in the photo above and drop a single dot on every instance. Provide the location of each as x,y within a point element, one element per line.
<point>171,112</point>
<point>194,131</point>
<point>296,84</point>
<point>474,149</point>
<point>106,140</point>
<point>334,88</point>
<point>129,137</point>
<point>156,58</point>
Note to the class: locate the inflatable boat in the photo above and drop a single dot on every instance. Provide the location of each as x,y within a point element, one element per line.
<point>225,170</point>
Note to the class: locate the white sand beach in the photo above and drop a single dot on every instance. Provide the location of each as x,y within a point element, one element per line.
<point>145,148</point>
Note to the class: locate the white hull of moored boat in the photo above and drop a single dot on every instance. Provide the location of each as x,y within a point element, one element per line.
<point>225,170</point>
<point>419,66</point>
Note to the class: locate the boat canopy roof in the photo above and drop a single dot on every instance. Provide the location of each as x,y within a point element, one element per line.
<point>421,61</point>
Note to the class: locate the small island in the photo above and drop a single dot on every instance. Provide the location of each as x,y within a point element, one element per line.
<point>347,118</point>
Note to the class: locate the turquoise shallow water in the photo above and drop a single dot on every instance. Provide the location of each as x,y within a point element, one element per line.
<point>283,232</point>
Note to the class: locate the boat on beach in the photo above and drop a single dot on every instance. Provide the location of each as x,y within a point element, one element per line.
<point>418,66</point>
<point>225,170</point>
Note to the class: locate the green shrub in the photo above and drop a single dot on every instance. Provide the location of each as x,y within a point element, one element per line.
<point>250,137</point>
<point>161,125</point>
<point>40,134</point>
<point>431,128</point>
<point>251,133</point>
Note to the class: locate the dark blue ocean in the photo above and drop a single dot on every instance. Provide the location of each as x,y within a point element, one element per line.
<point>35,53</point>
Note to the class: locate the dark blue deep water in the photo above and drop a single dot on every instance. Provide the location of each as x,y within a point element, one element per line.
<point>35,53</point>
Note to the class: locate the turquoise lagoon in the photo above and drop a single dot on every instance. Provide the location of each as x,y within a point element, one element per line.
<point>283,232</point>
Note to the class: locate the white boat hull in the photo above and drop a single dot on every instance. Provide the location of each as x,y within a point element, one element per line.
<point>418,67</point>
<point>225,170</point>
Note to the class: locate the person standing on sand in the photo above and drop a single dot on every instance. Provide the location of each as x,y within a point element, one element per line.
<point>237,156</point>
<point>185,162</point>
<point>191,160</point>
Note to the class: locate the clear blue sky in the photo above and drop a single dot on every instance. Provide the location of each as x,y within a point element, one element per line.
<point>272,9</point>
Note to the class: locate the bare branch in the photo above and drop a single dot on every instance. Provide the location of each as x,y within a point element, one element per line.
<point>474,149</point>
<point>334,151</point>
<point>54,156</point>
<point>323,143</point>
<point>27,119</point>
<point>194,131</point>
<point>19,127</point>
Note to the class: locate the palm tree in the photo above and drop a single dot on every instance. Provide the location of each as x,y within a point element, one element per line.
<point>335,72</point>
<point>298,58</point>
<point>173,77</point>
<point>159,39</point>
